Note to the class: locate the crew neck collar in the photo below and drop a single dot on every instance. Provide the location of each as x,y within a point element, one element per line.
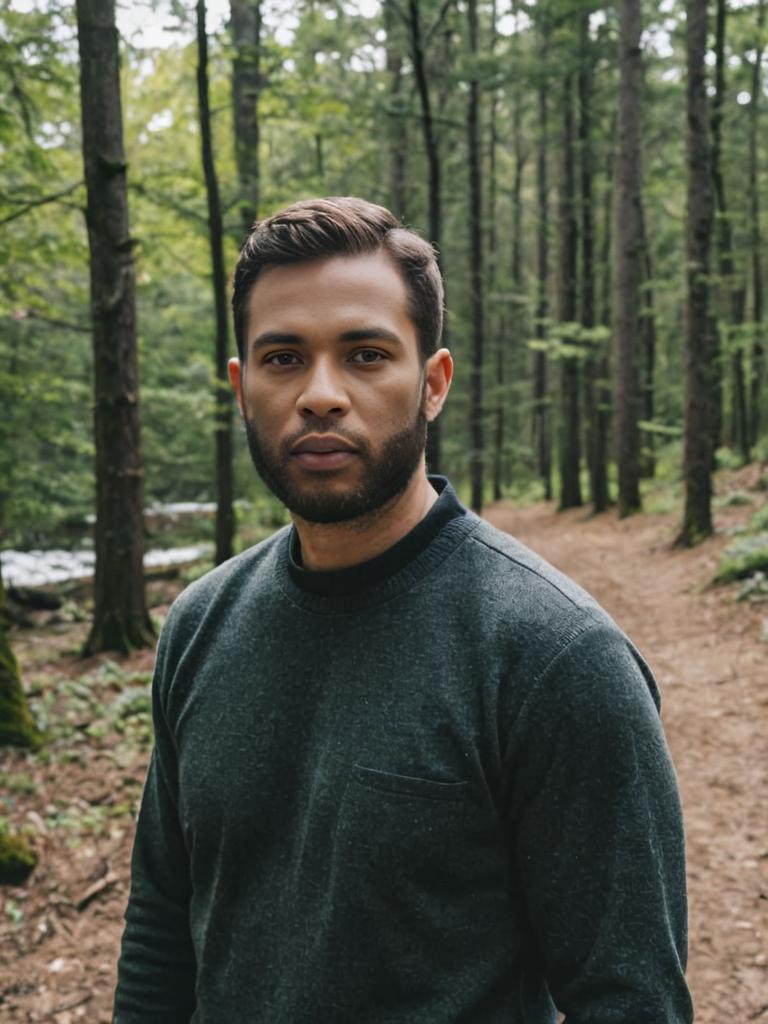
<point>370,576</point>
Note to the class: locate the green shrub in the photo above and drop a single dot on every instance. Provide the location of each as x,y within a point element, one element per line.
<point>759,521</point>
<point>743,558</point>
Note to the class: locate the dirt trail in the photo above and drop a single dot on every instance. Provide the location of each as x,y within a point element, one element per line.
<point>713,673</point>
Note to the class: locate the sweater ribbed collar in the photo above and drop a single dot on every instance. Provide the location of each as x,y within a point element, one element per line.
<point>333,590</point>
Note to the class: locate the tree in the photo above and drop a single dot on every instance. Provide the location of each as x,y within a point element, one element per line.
<point>477,451</point>
<point>758,355</point>
<point>121,619</point>
<point>225,516</point>
<point>434,181</point>
<point>245,23</point>
<point>697,456</point>
<point>570,413</point>
<point>628,234</point>
<point>542,430</point>
<point>735,290</point>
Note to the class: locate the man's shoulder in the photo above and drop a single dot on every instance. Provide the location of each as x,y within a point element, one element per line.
<point>503,565</point>
<point>225,584</point>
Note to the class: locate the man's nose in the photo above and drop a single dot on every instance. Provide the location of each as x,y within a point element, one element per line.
<point>324,392</point>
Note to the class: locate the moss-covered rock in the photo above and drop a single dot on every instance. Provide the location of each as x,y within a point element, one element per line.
<point>17,858</point>
<point>17,728</point>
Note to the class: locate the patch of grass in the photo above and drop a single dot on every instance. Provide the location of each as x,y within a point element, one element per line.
<point>759,520</point>
<point>734,499</point>
<point>743,558</point>
<point>18,782</point>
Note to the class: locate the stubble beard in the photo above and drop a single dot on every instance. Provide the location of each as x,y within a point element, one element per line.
<point>386,473</point>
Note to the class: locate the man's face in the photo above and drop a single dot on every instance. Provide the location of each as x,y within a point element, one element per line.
<point>332,389</point>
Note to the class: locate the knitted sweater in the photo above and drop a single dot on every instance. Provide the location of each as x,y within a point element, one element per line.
<point>431,789</point>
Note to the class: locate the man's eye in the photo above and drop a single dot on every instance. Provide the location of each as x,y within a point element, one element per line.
<point>282,359</point>
<point>367,355</point>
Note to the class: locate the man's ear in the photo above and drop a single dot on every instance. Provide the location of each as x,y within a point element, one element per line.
<point>235,379</point>
<point>438,373</point>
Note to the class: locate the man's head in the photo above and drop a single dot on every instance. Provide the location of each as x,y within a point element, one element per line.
<point>342,226</point>
<point>338,372</point>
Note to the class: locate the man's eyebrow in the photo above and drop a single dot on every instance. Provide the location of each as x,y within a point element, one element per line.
<point>277,338</point>
<point>356,334</point>
<point>371,334</point>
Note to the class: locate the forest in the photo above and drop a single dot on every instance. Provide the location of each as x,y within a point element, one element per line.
<point>594,179</point>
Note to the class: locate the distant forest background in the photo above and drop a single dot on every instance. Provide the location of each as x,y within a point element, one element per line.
<point>594,178</point>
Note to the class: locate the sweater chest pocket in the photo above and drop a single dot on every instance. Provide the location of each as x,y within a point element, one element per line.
<point>400,831</point>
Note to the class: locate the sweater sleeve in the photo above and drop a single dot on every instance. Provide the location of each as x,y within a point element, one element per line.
<point>156,971</point>
<point>598,837</point>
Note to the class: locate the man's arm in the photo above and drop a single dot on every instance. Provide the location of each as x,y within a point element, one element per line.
<point>156,972</point>
<point>599,837</point>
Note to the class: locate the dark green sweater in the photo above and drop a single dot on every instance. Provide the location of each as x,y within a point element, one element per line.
<point>433,789</point>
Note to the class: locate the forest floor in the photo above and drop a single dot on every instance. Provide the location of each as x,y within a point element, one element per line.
<point>59,933</point>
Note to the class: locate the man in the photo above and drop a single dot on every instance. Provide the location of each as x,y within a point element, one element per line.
<point>405,772</point>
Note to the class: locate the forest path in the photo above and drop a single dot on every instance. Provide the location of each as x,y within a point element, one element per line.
<point>712,669</point>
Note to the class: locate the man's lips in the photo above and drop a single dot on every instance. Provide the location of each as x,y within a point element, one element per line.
<point>323,452</point>
<point>322,443</point>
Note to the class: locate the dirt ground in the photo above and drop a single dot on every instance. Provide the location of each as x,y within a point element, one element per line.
<point>59,933</point>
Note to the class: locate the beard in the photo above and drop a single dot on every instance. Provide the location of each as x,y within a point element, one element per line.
<point>386,472</point>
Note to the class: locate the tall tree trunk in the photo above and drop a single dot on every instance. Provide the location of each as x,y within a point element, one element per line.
<point>476,268</point>
<point>570,413</point>
<point>396,123</point>
<point>648,340</point>
<point>735,291</point>
<point>628,235</point>
<point>697,458</point>
<point>434,184</point>
<point>590,385</point>
<point>497,320</point>
<point>245,22</point>
<point>121,619</point>
<point>225,518</point>
<point>600,488</point>
<point>542,429</point>
<point>758,354</point>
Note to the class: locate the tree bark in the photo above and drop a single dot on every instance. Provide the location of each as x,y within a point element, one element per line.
<point>477,450</point>
<point>225,519</point>
<point>434,184</point>
<point>245,23</point>
<point>570,412</point>
<point>734,291</point>
<point>598,497</point>
<point>398,135</point>
<point>627,261</point>
<point>758,352</point>
<point>542,431</point>
<point>648,345</point>
<point>121,618</point>
<point>697,457</point>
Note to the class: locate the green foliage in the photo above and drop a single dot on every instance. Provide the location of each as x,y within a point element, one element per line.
<point>734,499</point>
<point>742,558</point>
<point>759,520</point>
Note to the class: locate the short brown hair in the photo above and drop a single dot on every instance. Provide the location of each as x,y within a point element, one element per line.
<point>342,226</point>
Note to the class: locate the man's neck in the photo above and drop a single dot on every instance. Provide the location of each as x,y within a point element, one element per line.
<point>327,546</point>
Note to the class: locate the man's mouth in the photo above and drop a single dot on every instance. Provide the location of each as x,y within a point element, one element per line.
<point>323,451</point>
